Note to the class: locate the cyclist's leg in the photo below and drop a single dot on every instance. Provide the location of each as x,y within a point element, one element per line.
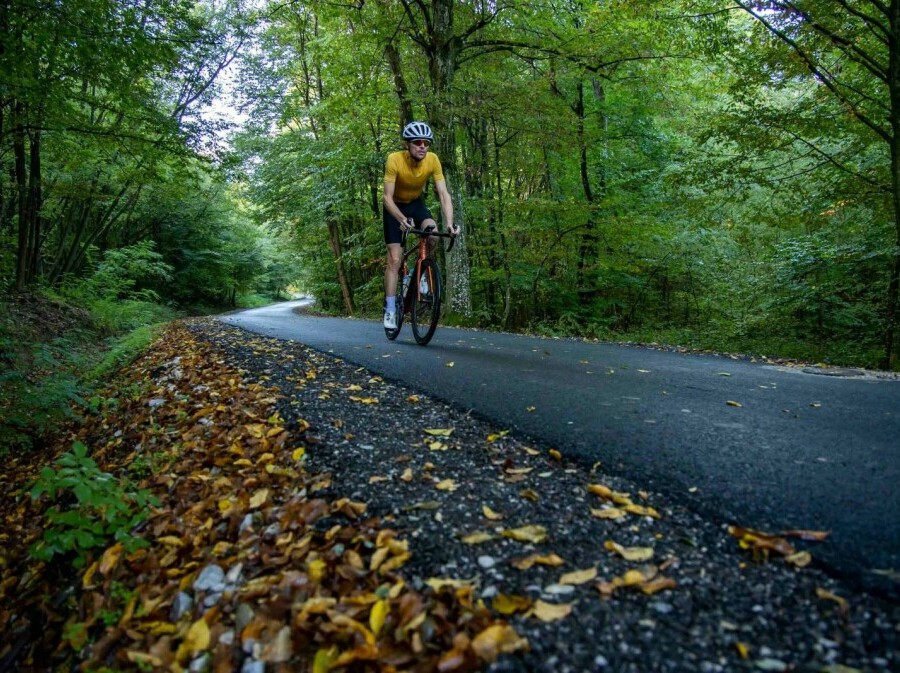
<point>393,256</point>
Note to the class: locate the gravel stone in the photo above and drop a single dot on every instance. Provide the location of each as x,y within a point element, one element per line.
<point>723,596</point>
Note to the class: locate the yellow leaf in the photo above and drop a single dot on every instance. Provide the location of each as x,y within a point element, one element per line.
<point>529,494</point>
<point>298,454</point>
<point>477,537</point>
<point>534,533</point>
<point>376,479</point>
<point>316,570</point>
<point>732,403</point>
<point>414,399</point>
<point>658,584</point>
<point>495,640</point>
<point>556,455</point>
<point>142,659</point>
<point>801,559</point>
<point>545,560</point>
<point>364,400</point>
<point>195,640</point>
<point>354,387</point>
<point>407,474</point>
<point>633,578</point>
<point>437,584</point>
<point>437,446</point>
<point>243,462</point>
<point>508,605</point>
<point>447,485</point>
<point>490,514</point>
<point>630,553</point>
<point>530,451</point>
<point>493,437</point>
<point>450,364</point>
<point>439,432</point>
<point>609,513</point>
<point>742,649</point>
<point>549,612</point>
<point>824,594</point>
<point>578,576</point>
<point>641,510</point>
<point>378,615</point>
<point>111,558</point>
<point>259,498</point>
<point>87,579</point>
<point>323,660</point>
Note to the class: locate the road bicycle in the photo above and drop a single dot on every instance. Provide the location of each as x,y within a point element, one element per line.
<point>419,287</point>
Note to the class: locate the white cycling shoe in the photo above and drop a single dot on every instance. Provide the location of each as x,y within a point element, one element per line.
<point>390,320</point>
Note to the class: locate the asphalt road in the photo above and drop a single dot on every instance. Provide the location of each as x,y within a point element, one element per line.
<point>757,445</point>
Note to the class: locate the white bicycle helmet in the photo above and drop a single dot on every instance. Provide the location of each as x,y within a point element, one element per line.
<point>417,131</point>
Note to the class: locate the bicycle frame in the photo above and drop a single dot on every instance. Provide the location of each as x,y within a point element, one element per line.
<point>421,248</point>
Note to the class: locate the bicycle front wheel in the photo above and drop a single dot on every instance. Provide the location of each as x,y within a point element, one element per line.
<point>426,301</point>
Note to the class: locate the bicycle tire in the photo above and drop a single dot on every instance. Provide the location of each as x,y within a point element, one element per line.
<point>426,306</point>
<point>392,334</point>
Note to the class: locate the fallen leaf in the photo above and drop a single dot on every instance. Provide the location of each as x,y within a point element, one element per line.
<point>608,513</point>
<point>578,576</point>
<point>111,558</point>
<point>533,533</point>
<point>378,615</point>
<point>555,455</point>
<point>446,485</point>
<point>630,553</point>
<point>549,612</point>
<point>546,560</point>
<point>732,403</point>
<point>495,640</point>
<point>824,594</point>
<point>450,364</point>
<point>439,432</point>
<point>259,498</point>
<point>508,605</point>
<point>195,640</point>
<point>490,514</point>
<point>478,537</point>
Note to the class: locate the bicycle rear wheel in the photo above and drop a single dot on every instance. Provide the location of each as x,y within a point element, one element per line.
<point>426,304</point>
<point>392,334</point>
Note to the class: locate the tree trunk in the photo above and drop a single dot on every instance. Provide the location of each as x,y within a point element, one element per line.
<point>442,53</point>
<point>22,256</point>
<point>334,236</point>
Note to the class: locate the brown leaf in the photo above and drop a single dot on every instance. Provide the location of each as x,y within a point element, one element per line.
<point>497,639</point>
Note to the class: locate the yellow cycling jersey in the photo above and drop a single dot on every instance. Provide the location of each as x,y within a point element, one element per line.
<point>410,178</point>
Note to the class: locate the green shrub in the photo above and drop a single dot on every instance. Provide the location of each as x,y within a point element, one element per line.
<point>91,509</point>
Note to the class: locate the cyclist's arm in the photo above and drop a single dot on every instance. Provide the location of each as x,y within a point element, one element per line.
<point>388,199</point>
<point>440,187</point>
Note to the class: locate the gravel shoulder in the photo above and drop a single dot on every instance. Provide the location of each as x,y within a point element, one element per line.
<point>725,612</point>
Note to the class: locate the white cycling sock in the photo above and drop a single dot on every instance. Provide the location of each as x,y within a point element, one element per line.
<point>391,303</point>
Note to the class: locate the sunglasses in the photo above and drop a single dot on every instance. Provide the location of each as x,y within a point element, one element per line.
<point>421,142</point>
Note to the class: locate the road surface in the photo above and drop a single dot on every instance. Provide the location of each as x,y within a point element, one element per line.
<point>757,445</point>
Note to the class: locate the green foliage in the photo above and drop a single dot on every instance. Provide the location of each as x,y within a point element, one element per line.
<point>122,351</point>
<point>90,509</point>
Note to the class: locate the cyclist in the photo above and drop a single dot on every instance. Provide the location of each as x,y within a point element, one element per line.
<point>405,175</point>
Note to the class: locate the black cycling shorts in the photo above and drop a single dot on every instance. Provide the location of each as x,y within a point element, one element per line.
<point>415,209</point>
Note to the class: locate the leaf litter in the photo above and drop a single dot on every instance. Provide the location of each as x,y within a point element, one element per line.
<point>274,546</point>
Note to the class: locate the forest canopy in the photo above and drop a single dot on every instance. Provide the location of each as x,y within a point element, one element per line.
<point>708,173</point>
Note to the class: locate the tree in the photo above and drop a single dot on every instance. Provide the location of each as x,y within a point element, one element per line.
<point>852,50</point>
